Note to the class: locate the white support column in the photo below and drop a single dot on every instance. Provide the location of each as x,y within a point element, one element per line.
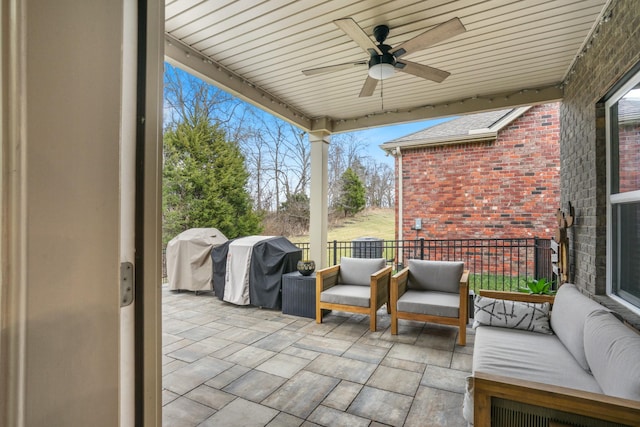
<point>319,211</point>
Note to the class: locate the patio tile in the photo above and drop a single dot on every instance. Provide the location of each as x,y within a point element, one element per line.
<point>241,413</point>
<point>204,318</point>
<point>373,339</point>
<point>198,333</point>
<point>381,405</point>
<point>323,345</point>
<point>444,379</point>
<point>342,368</point>
<point>301,352</point>
<point>184,412</point>
<point>185,314</point>
<point>177,345</point>
<point>191,376</point>
<point>260,367</point>
<point>255,385</point>
<point>210,397</point>
<point>241,335</point>
<point>349,330</point>
<point>406,334</point>
<point>216,343</point>
<point>438,336</point>
<point>342,396</point>
<point>396,380</point>
<point>172,366</point>
<point>283,365</point>
<point>436,408</point>
<point>170,339</point>
<point>426,355</point>
<point>298,324</point>
<point>407,365</point>
<point>302,394</point>
<point>279,340</point>
<point>285,420</point>
<point>175,326</point>
<point>462,361</point>
<point>366,353</point>
<point>267,326</point>
<point>229,350</point>
<point>332,417</point>
<point>250,356</point>
<point>192,352</point>
<point>227,377</point>
<point>168,396</point>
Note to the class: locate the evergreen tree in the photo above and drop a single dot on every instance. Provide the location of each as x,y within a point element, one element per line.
<point>352,193</point>
<point>204,181</point>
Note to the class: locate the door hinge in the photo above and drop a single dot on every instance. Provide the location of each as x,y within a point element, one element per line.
<point>126,284</point>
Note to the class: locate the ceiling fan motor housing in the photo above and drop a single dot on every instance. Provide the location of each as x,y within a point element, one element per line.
<point>385,58</point>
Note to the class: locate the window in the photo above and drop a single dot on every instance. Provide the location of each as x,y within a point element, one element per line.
<point>623,194</point>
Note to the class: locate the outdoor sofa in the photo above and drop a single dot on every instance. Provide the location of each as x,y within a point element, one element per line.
<point>578,366</point>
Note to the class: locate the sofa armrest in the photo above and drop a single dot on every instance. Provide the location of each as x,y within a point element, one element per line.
<point>327,277</point>
<point>517,296</point>
<point>599,406</point>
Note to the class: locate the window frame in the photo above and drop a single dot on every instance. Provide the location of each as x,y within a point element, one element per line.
<point>619,198</point>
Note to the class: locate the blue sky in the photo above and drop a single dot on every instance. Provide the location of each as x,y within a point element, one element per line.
<point>378,136</point>
<point>373,137</point>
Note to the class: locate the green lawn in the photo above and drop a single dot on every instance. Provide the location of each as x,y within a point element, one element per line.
<point>370,223</point>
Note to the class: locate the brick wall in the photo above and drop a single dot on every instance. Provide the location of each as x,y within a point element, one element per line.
<point>583,147</point>
<point>583,142</point>
<point>500,189</point>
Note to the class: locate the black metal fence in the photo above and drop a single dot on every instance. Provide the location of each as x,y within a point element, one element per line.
<point>503,264</point>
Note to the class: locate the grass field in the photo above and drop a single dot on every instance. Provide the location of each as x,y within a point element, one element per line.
<point>370,223</point>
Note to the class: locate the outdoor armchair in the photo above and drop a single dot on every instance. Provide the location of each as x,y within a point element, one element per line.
<point>356,285</point>
<point>431,291</point>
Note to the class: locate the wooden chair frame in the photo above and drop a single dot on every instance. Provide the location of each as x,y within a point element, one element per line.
<point>399,287</point>
<point>328,277</point>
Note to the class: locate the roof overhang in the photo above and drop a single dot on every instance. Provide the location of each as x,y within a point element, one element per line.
<point>512,54</point>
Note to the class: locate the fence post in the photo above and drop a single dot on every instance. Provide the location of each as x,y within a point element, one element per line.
<point>422,248</point>
<point>335,252</point>
<point>535,259</point>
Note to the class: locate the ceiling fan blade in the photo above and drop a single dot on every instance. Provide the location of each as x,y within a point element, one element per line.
<point>332,68</point>
<point>435,35</point>
<point>423,71</point>
<point>358,35</point>
<point>368,87</point>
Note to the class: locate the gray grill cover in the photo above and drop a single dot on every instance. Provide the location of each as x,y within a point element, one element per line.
<point>270,259</point>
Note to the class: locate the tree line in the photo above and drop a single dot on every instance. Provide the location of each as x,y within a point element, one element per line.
<point>231,166</point>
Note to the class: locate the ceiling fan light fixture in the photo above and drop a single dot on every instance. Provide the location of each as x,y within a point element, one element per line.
<point>381,71</point>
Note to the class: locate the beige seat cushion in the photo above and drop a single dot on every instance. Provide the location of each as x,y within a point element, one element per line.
<point>442,276</point>
<point>347,295</point>
<point>443,304</point>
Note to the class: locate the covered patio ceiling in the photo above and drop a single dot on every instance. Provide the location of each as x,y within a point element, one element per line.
<point>513,53</point>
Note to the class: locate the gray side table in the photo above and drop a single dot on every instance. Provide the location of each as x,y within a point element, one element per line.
<point>299,294</point>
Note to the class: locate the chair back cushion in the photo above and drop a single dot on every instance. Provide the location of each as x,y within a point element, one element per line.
<point>442,276</point>
<point>613,353</point>
<point>570,310</point>
<point>358,271</point>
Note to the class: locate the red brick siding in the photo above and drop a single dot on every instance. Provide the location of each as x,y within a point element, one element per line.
<point>629,153</point>
<point>505,188</point>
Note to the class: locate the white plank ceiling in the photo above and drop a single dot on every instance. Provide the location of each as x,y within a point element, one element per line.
<point>513,53</point>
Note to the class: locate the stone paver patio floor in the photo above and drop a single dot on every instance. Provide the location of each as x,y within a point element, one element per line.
<point>227,365</point>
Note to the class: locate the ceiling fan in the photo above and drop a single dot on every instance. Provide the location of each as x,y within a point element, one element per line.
<point>384,59</point>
